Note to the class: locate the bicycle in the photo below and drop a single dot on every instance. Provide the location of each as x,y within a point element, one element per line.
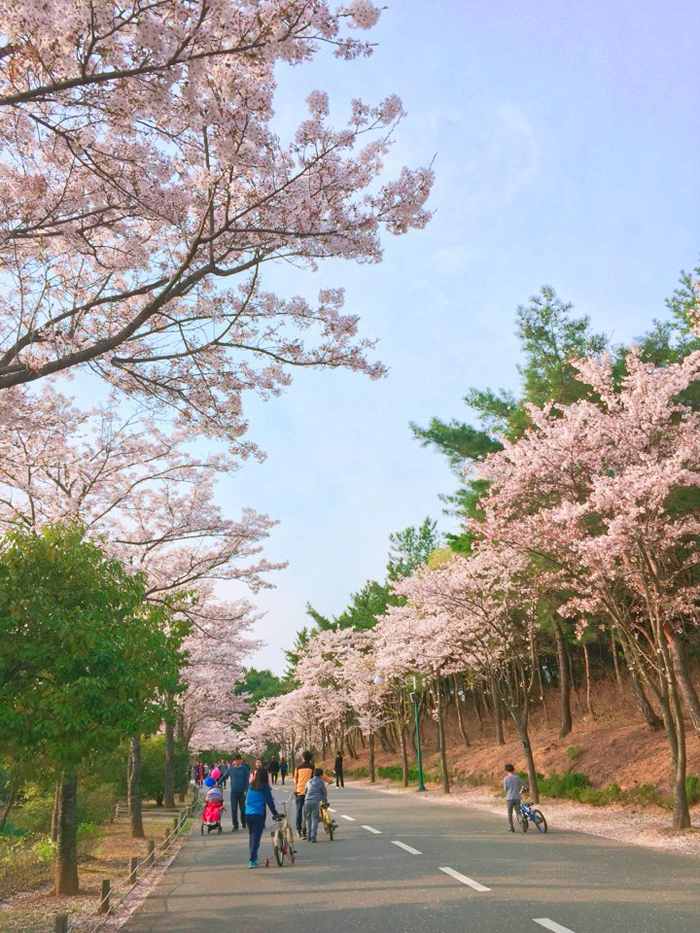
<point>283,838</point>
<point>527,815</point>
<point>329,823</point>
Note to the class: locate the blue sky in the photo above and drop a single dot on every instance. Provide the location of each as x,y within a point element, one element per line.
<point>566,142</point>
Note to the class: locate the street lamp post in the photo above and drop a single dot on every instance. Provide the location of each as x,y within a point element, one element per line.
<point>416,713</point>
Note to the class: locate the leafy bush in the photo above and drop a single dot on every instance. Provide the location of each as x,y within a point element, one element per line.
<point>564,785</point>
<point>395,773</point>
<point>574,752</point>
<point>45,848</point>
<point>33,813</point>
<point>692,789</point>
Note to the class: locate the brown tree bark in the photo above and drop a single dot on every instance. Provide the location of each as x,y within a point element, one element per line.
<point>654,722</point>
<point>439,708</point>
<point>66,862</point>
<point>134,788</point>
<point>460,718</point>
<point>680,668</point>
<point>169,777</point>
<point>7,806</point>
<point>56,805</point>
<point>497,717</point>
<point>404,757</point>
<point>564,679</point>
<point>589,685</point>
<point>372,775</point>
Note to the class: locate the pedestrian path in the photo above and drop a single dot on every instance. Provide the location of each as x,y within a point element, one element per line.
<point>398,865</point>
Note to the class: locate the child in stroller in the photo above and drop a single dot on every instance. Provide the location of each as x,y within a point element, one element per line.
<point>213,808</point>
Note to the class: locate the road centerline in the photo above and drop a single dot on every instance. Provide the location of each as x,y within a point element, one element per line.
<point>402,845</point>
<point>350,819</point>
<point>464,880</point>
<point>552,925</point>
<point>371,829</point>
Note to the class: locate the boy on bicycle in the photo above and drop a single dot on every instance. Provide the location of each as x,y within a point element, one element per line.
<point>513,785</point>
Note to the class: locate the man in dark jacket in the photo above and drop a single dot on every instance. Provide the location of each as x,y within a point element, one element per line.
<point>239,775</point>
<point>338,768</point>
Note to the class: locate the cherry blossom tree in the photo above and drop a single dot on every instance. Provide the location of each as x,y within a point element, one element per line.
<point>143,190</point>
<point>136,485</point>
<point>603,494</point>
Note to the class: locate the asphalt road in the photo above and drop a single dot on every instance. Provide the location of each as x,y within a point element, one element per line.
<point>363,882</point>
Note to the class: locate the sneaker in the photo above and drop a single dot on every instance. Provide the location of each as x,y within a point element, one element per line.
<point>234,829</point>
<point>253,863</point>
<point>511,830</point>
<point>313,840</point>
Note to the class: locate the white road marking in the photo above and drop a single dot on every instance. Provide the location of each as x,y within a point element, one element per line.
<point>402,845</point>
<point>350,819</point>
<point>551,925</point>
<point>331,810</point>
<point>463,878</point>
<point>371,829</point>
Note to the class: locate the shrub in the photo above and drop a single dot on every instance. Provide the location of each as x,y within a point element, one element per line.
<point>692,789</point>
<point>574,752</point>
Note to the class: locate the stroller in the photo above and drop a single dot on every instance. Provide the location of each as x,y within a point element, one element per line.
<point>213,808</point>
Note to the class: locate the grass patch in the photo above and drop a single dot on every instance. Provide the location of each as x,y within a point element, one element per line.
<point>574,752</point>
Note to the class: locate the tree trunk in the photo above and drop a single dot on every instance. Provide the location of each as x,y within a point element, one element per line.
<point>477,713</point>
<point>169,780</point>
<point>460,718</point>
<point>497,717</point>
<point>56,806</point>
<point>351,747</point>
<point>589,686</point>
<point>441,741</point>
<point>524,735</point>
<point>66,862</point>
<point>404,757</point>
<point>655,723</point>
<point>616,662</point>
<point>564,680</point>
<point>372,775</point>
<point>540,687</point>
<point>134,790</point>
<point>7,806</point>
<point>680,669</point>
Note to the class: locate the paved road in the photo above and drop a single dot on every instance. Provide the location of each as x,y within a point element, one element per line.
<point>363,882</point>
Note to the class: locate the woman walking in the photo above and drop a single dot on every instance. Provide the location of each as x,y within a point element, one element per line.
<point>259,797</point>
<point>283,767</point>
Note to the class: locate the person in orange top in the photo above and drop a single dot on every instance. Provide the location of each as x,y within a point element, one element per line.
<point>303,773</point>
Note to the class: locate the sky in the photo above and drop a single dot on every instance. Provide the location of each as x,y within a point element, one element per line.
<point>565,140</point>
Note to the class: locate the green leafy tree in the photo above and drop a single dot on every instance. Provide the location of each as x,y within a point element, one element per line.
<point>260,684</point>
<point>411,548</point>
<point>152,778</point>
<point>85,661</point>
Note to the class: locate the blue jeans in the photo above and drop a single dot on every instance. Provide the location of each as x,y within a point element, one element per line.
<point>256,824</point>
<point>311,816</point>
<point>300,814</point>
<point>238,801</point>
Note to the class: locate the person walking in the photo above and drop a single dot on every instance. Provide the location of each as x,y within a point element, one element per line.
<point>239,775</point>
<point>283,767</point>
<point>303,773</point>
<point>316,794</point>
<point>274,768</point>
<point>338,768</point>
<point>259,797</point>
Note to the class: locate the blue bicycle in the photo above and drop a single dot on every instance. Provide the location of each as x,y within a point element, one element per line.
<point>527,815</point>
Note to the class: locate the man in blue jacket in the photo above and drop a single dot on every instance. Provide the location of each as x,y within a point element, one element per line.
<point>239,775</point>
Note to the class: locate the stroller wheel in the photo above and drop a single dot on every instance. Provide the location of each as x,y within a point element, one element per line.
<point>267,863</point>
<point>220,829</point>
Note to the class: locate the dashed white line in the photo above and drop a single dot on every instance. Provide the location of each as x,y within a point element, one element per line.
<point>371,829</point>
<point>402,845</point>
<point>552,925</point>
<point>331,810</point>
<point>350,819</point>
<point>468,881</point>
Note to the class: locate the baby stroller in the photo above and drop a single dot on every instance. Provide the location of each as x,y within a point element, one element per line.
<point>213,808</point>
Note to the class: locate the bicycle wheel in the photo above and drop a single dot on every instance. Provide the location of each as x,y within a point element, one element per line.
<point>522,819</point>
<point>290,845</point>
<point>278,848</point>
<point>202,829</point>
<point>540,821</point>
<point>330,831</point>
